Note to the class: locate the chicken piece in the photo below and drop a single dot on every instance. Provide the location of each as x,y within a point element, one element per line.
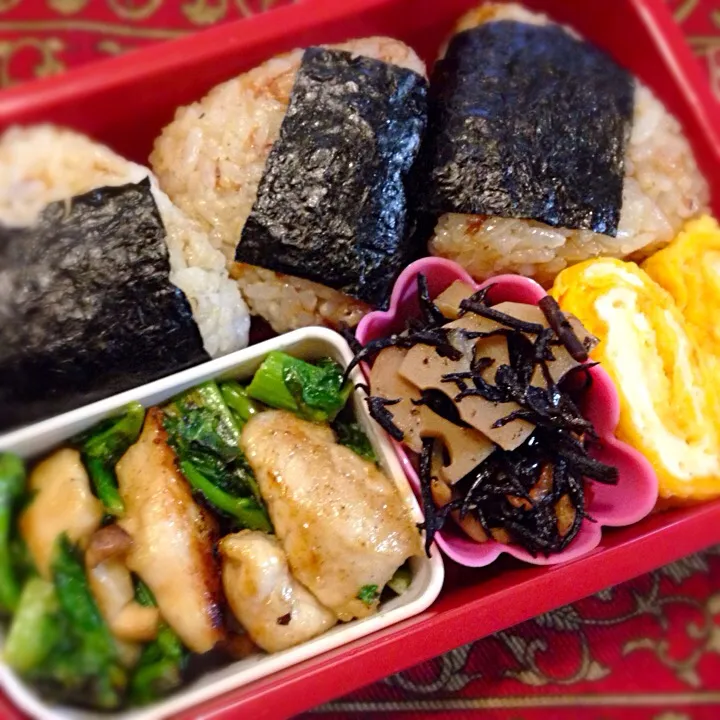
<point>342,523</point>
<point>274,608</point>
<point>112,587</point>
<point>172,538</point>
<point>63,503</point>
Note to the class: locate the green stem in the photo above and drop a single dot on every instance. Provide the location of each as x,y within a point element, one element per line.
<point>245,510</point>
<point>268,384</point>
<point>31,636</point>
<point>105,484</point>
<point>116,435</point>
<point>237,399</point>
<point>401,580</point>
<point>12,483</point>
<point>9,587</point>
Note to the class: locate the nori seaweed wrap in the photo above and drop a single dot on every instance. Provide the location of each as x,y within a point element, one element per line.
<point>86,306</point>
<point>332,204</point>
<point>526,121</point>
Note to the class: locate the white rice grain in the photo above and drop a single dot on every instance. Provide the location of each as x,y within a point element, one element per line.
<point>210,160</point>
<point>663,188</point>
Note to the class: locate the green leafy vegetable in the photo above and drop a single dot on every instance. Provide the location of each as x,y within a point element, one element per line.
<point>143,594</point>
<point>33,631</point>
<point>352,435</point>
<point>205,435</point>
<point>368,594</point>
<point>86,661</point>
<point>245,510</point>
<point>312,391</point>
<point>59,640</point>
<point>20,557</point>
<point>207,421</point>
<point>159,669</point>
<point>12,486</point>
<point>236,397</point>
<point>161,664</point>
<point>101,449</point>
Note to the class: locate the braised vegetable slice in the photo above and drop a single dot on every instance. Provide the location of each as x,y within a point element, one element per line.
<point>103,446</point>
<point>313,391</point>
<point>12,483</point>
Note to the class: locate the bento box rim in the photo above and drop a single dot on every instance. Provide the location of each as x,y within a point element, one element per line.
<point>78,82</point>
<point>325,341</point>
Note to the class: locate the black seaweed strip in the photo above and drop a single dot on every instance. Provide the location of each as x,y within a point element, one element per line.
<point>434,519</point>
<point>489,313</point>
<point>332,202</point>
<point>521,353</point>
<point>87,309</point>
<point>479,296</point>
<point>478,334</point>
<point>431,312</point>
<point>441,405</point>
<point>435,337</point>
<point>543,342</point>
<point>348,334</point>
<point>554,153</point>
<point>563,329</point>
<point>376,408</point>
<point>520,414</point>
<point>371,349</point>
<point>364,387</point>
<point>482,389</point>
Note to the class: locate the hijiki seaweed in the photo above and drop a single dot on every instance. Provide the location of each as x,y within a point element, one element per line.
<point>533,494</point>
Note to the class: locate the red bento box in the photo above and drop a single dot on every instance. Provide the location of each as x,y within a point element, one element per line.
<point>125,101</point>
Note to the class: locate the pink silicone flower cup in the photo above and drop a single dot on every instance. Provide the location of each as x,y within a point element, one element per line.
<point>629,501</point>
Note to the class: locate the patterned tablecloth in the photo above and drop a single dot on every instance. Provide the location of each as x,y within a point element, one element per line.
<point>646,650</point>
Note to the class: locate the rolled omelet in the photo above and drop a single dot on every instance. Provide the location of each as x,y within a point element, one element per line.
<point>668,402</point>
<point>689,269</point>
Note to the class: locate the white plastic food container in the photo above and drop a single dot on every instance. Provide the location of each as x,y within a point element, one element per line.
<point>308,344</point>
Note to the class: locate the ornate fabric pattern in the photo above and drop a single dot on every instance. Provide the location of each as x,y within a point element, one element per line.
<point>700,20</point>
<point>645,650</point>
<point>43,37</point>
